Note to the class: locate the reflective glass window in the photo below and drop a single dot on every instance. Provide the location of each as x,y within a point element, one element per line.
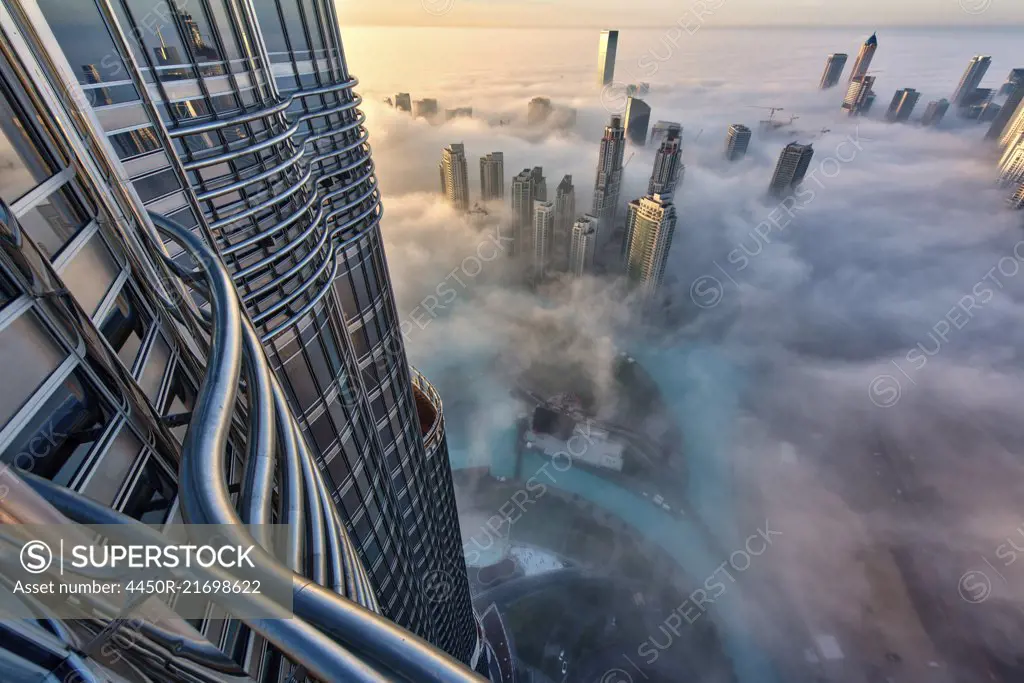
<point>89,274</point>
<point>134,142</point>
<point>38,355</point>
<point>85,40</point>
<point>156,185</point>
<point>110,472</point>
<point>54,221</point>
<point>152,495</point>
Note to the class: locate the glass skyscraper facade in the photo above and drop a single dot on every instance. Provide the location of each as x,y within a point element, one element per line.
<point>236,120</point>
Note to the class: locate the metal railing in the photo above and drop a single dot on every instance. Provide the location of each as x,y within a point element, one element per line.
<point>336,632</point>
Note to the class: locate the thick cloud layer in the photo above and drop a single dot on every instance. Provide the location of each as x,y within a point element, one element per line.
<point>870,327</point>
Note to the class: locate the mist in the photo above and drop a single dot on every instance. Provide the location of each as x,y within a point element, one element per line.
<point>845,365</point>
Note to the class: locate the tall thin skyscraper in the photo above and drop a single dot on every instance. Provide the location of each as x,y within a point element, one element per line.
<point>864,57</point>
<point>969,82</point>
<point>455,176</point>
<point>372,431</point>
<point>425,108</point>
<point>606,57</point>
<point>668,166</point>
<point>859,96</point>
<point>736,142</point>
<point>833,70</point>
<point>1007,113</point>
<point>1011,165</point>
<point>1015,128</point>
<point>609,174</point>
<point>583,245</point>
<point>661,129</point>
<point>902,105</point>
<point>543,235</point>
<point>1016,199</point>
<point>492,176</point>
<point>638,116</point>
<point>540,184</point>
<point>1013,79</point>
<point>650,225</point>
<point>522,211</point>
<point>790,169</point>
<point>565,211</point>
<point>934,112</point>
<point>403,102</point>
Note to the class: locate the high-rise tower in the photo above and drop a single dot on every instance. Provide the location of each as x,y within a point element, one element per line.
<point>736,142</point>
<point>543,235</point>
<point>272,167</point>
<point>609,174</point>
<point>638,116</point>
<point>864,57</point>
<point>522,194</point>
<point>1009,111</point>
<point>833,70</point>
<point>650,225</point>
<point>606,47</point>
<point>934,112</point>
<point>583,245</point>
<point>902,104</point>
<point>790,169</point>
<point>455,176</point>
<point>668,166</point>
<point>859,96</point>
<point>540,184</point>
<point>969,82</point>
<point>565,211</point>
<point>661,129</point>
<point>492,176</point>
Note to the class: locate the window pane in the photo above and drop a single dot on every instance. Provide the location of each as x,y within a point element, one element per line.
<point>38,355</point>
<point>156,185</point>
<point>22,167</point>
<point>53,222</point>
<point>152,495</point>
<point>90,273</point>
<point>109,474</point>
<point>134,142</point>
<point>85,40</point>
<point>125,327</point>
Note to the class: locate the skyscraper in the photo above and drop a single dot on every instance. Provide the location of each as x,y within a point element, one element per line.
<point>660,131</point>
<point>565,211</point>
<point>492,176</point>
<point>934,112</point>
<point>299,255</point>
<point>425,108</point>
<point>1011,165</point>
<point>650,225</point>
<point>606,57</point>
<point>969,82</point>
<point>540,184</point>
<point>859,96</point>
<point>403,102</point>
<point>902,104</point>
<point>1007,113</point>
<point>609,174</point>
<point>455,176</point>
<point>1015,128</point>
<point>736,142</point>
<point>583,245</point>
<point>458,113</point>
<point>1013,79</point>
<point>833,70</point>
<point>668,166</point>
<point>522,211</point>
<point>638,116</point>
<point>790,169</point>
<point>863,61</point>
<point>538,111</point>
<point>543,235</point>
<point>1016,199</point>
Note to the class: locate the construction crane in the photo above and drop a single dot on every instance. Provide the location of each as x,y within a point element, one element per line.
<point>773,110</point>
<point>698,135</point>
<point>631,155</point>
<point>821,133</point>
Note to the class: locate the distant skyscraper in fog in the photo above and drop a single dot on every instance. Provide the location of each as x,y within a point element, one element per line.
<point>668,166</point>
<point>736,142</point>
<point>538,111</point>
<point>859,96</point>
<point>1008,112</point>
<point>425,108</point>
<point>864,57</point>
<point>833,70</point>
<point>543,235</point>
<point>403,102</point>
<point>492,176</point>
<point>608,182</point>
<point>606,57</point>
<point>934,112</point>
<point>522,210</point>
<point>969,82</point>
<point>583,245</point>
<point>790,169</point>
<point>540,184</point>
<point>902,104</point>
<point>1016,127</point>
<point>1011,165</point>
<point>455,176</point>
<point>638,116</point>
<point>661,129</point>
<point>650,225</point>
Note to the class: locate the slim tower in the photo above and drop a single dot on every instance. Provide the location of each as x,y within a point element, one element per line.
<point>902,105</point>
<point>609,174</point>
<point>668,167</point>
<point>660,131</point>
<point>565,210</point>
<point>455,176</point>
<point>969,82</point>
<point>833,70</point>
<point>1007,113</point>
<point>606,47</point>
<point>790,169</point>
<point>859,96</point>
<point>864,57</point>
<point>650,225</point>
<point>522,210</point>
<point>736,142</point>
<point>543,235</point>
<point>540,184</point>
<point>934,112</point>
<point>583,245</point>
<point>492,176</point>
<point>638,116</point>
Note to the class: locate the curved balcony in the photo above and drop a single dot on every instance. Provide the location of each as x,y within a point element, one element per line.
<point>429,410</point>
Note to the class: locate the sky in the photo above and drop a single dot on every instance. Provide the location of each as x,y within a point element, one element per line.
<point>655,13</point>
<point>868,344</point>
